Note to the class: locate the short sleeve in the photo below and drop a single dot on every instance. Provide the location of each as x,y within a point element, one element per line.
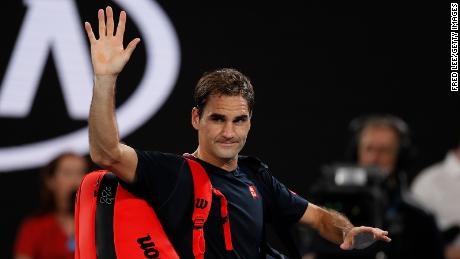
<point>26,239</point>
<point>288,205</point>
<point>156,176</point>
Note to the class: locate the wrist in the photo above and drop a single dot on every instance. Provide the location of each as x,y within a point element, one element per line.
<point>345,231</point>
<point>105,79</point>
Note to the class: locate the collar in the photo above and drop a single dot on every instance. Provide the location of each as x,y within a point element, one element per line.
<point>212,168</point>
<point>451,164</point>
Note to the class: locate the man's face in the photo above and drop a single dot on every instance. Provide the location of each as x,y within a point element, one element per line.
<point>223,126</point>
<point>378,146</point>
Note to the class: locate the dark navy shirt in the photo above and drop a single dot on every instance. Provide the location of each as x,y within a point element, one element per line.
<point>166,182</point>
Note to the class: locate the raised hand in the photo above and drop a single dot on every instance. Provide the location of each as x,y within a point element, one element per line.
<point>362,237</point>
<point>107,53</point>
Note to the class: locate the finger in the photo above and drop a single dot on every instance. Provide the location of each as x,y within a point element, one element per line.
<point>367,229</point>
<point>90,33</point>
<point>382,235</point>
<point>101,18</point>
<point>347,243</point>
<point>386,239</point>
<point>379,232</point>
<point>131,46</point>
<point>377,229</point>
<point>346,246</point>
<point>110,25</point>
<point>121,25</point>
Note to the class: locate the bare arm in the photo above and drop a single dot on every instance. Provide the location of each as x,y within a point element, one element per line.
<point>330,224</point>
<point>109,57</point>
<point>336,228</point>
<point>452,252</point>
<point>22,257</point>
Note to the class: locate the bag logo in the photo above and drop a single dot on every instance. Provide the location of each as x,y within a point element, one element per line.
<point>107,196</point>
<point>201,203</point>
<point>148,247</point>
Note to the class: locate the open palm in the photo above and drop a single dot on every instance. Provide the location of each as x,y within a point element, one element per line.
<point>107,53</point>
<point>362,237</point>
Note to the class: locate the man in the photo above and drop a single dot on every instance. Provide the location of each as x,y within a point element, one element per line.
<point>438,189</point>
<point>383,141</point>
<point>222,117</point>
<point>381,144</point>
<point>378,143</point>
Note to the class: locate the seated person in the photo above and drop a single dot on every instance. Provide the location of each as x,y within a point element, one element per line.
<point>49,233</point>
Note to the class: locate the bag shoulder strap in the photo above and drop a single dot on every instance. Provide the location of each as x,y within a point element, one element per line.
<point>203,192</point>
<point>202,204</point>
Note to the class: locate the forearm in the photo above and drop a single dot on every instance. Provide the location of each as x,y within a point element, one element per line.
<point>452,252</point>
<point>103,131</point>
<point>333,225</point>
<point>336,228</point>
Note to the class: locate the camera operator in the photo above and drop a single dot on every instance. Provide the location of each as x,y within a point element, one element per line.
<point>381,148</point>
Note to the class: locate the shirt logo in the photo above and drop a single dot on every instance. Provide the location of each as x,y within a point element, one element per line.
<point>252,190</point>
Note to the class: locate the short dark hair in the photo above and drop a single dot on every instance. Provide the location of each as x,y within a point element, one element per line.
<point>399,126</point>
<point>406,151</point>
<point>225,81</point>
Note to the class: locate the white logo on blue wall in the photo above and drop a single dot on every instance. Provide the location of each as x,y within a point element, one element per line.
<point>54,26</point>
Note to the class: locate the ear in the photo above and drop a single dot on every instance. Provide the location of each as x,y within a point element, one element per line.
<point>195,118</point>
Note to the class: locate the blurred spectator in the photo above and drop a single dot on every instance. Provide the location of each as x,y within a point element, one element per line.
<point>438,188</point>
<point>49,233</point>
<point>382,144</point>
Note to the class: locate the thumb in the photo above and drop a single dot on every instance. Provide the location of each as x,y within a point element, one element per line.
<point>347,244</point>
<point>131,46</point>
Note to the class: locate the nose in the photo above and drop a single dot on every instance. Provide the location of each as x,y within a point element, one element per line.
<point>374,157</point>
<point>368,157</point>
<point>228,131</point>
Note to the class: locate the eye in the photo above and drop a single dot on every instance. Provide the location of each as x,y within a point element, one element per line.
<point>240,120</point>
<point>217,119</point>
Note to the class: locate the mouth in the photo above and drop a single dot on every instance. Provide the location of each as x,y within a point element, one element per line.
<point>227,144</point>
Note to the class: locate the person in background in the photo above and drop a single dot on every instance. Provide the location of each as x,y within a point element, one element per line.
<point>382,142</point>
<point>437,187</point>
<point>49,233</point>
